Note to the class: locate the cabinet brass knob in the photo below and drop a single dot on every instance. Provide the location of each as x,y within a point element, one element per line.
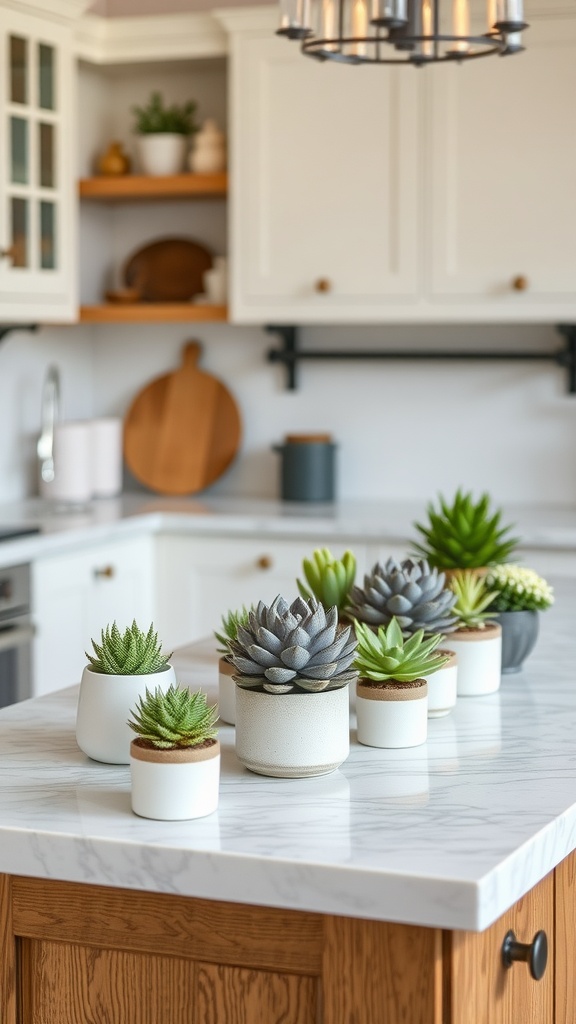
<point>264,562</point>
<point>520,283</point>
<point>107,572</point>
<point>8,254</point>
<point>323,285</point>
<point>534,953</point>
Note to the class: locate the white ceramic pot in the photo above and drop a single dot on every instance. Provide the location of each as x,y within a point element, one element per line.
<point>174,785</point>
<point>226,692</point>
<point>292,735</point>
<point>162,152</point>
<point>395,715</point>
<point>104,706</point>
<point>442,687</point>
<point>479,653</point>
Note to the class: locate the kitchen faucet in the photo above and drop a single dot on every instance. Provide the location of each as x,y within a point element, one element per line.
<point>50,414</point>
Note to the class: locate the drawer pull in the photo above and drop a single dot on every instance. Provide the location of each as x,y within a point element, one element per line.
<point>264,562</point>
<point>534,953</point>
<point>106,573</point>
<point>520,283</point>
<point>323,285</point>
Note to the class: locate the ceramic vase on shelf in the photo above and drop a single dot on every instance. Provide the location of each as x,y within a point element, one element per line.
<point>114,161</point>
<point>208,153</point>
<point>215,282</point>
<point>162,153</point>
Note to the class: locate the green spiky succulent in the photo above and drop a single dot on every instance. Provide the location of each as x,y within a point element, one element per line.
<point>229,628</point>
<point>464,534</point>
<point>473,599</point>
<point>518,589</point>
<point>174,718</point>
<point>328,579</point>
<point>132,653</point>
<point>387,656</point>
<point>413,593</point>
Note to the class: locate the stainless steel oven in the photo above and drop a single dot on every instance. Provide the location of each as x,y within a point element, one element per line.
<point>16,632</point>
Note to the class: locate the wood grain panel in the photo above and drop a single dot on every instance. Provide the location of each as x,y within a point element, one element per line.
<point>7,955</point>
<point>378,973</point>
<point>565,974</point>
<point>204,930</point>
<point>238,996</point>
<point>485,992</point>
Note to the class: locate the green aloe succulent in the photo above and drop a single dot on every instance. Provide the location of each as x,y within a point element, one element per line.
<point>388,656</point>
<point>328,579</point>
<point>174,718</point>
<point>229,628</point>
<point>464,534</point>
<point>473,599</point>
<point>131,653</point>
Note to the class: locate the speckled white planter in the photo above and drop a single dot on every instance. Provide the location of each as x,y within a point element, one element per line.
<point>226,692</point>
<point>292,735</point>
<point>442,687</point>
<point>392,716</point>
<point>175,785</point>
<point>479,653</point>
<point>104,706</point>
<point>162,153</point>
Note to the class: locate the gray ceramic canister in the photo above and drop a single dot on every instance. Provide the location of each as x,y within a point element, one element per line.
<point>308,467</point>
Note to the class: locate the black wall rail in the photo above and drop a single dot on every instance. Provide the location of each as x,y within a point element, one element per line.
<point>290,354</point>
<point>6,329</point>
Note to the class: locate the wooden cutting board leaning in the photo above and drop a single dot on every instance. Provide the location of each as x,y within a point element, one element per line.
<point>182,430</point>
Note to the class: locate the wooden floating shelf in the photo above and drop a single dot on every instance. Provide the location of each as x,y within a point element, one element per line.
<point>152,312</point>
<point>136,187</point>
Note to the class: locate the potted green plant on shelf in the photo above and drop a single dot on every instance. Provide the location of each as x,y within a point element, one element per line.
<point>175,758</point>
<point>520,595</point>
<point>122,666</point>
<point>226,684</point>
<point>162,134</point>
<point>293,666</point>
<point>392,688</point>
<point>328,579</point>
<point>477,639</point>
<point>464,534</point>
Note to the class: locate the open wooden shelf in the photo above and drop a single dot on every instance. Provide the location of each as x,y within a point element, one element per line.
<point>137,187</point>
<point>152,312</point>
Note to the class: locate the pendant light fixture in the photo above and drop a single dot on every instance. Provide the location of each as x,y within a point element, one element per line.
<point>416,32</point>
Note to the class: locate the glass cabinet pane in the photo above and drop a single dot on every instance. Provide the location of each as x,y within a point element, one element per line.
<point>19,209</point>
<point>18,151</point>
<point>18,64</point>
<point>47,236</point>
<point>46,134</point>
<point>46,77</point>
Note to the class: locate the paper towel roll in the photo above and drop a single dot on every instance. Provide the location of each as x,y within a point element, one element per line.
<point>72,454</point>
<point>106,459</point>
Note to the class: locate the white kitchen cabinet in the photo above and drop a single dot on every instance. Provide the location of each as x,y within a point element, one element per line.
<point>37,173</point>
<point>76,594</point>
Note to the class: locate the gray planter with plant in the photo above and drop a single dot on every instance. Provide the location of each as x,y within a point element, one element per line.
<point>520,595</point>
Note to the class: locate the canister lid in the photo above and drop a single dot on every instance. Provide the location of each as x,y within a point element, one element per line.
<point>308,439</point>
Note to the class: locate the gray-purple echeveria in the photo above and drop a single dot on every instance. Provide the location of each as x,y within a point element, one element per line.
<point>293,647</point>
<point>413,593</point>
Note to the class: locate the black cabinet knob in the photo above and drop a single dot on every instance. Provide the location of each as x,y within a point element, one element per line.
<point>534,953</point>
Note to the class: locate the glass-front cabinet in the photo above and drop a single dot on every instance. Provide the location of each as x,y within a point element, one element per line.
<point>37,167</point>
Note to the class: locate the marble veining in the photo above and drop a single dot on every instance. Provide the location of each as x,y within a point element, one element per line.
<point>449,834</point>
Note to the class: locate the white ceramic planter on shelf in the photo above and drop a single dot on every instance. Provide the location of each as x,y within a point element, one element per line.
<point>175,785</point>
<point>226,691</point>
<point>442,687</point>
<point>292,735</point>
<point>394,715</point>
<point>479,653</point>
<point>104,706</point>
<point>162,152</point>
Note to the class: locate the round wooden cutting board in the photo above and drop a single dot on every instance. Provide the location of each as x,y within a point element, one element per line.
<point>182,430</point>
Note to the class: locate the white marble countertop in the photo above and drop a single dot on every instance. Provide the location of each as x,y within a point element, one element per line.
<point>449,834</point>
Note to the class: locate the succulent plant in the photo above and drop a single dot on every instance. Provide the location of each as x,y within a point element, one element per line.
<point>518,589</point>
<point>473,598</point>
<point>387,655</point>
<point>131,653</point>
<point>411,592</point>
<point>464,534</point>
<point>229,628</point>
<point>329,579</point>
<point>173,718</point>
<point>293,647</point>
<point>155,117</point>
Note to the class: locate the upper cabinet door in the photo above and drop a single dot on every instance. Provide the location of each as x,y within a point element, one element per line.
<point>501,200</point>
<point>324,186</point>
<point>37,170</point>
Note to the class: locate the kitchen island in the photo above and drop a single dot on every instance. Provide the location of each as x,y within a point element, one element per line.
<point>382,892</point>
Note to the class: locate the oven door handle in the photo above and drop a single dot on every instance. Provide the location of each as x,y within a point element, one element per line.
<point>15,637</point>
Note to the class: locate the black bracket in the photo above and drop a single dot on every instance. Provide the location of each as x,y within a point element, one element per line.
<point>290,354</point>
<point>6,329</point>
